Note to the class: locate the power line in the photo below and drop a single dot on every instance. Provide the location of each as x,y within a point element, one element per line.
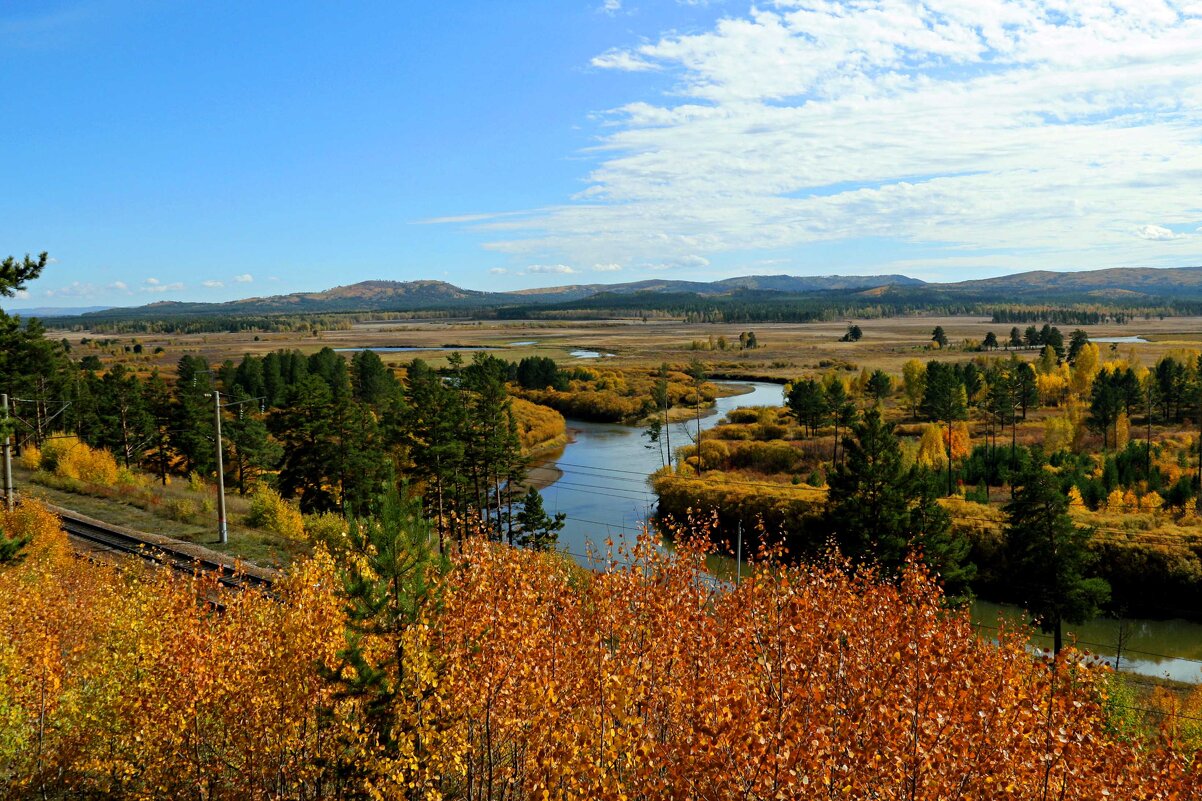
<point>1112,645</point>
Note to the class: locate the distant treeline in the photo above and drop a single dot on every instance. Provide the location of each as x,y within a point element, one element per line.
<point>1089,315</point>
<point>748,306</point>
<point>265,323</point>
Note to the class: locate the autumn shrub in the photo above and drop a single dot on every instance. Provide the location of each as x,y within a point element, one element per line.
<point>745,414</point>
<point>119,684</point>
<point>612,395</point>
<point>799,683</point>
<point>183,510</point>
<point>91,465</point>
<point>31,458</point>
<point>271,512</point>
<point>786,511</point>
<point>70,458</point>
<point>537,680</point>
<point>767,457</point>
<point>538,426</point>
<point>324,527</point>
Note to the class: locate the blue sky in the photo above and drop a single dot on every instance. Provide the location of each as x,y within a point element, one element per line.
<point>207,151</point>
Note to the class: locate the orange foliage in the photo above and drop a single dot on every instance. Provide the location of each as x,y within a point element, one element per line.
<point>800,683</point>
<point>540,680</point>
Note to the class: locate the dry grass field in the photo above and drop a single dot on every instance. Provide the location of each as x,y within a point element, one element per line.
<point>786,349</point>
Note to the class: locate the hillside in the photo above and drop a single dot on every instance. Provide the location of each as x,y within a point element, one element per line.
<point>1177,282</point>
<point>1119,285</point>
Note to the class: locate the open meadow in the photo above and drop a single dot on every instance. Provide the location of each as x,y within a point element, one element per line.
<point>785,349</point>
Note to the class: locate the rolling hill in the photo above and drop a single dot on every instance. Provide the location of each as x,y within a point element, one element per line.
<point>1121,285</point>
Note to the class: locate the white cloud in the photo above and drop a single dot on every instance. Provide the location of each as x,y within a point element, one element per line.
<point>212,284</point>
<point>612,267</point>
<point>611,7</point>
<point>1037,128</point>
<point>157,286</point>
<point>623,60</point>
<point>119,286</point>
<point>245,278</point>
<point>561,269</point>
<point>498,271</point>
<point>21,294</point>
<point>1157,233</point>
<point>75,289</point>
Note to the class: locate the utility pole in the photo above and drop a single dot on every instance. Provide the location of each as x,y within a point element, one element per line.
<point>9,499</point>
<point>222,531</point>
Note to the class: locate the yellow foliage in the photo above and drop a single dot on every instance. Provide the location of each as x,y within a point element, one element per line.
<point>538,425</point>
<point>1058,434</point>
<point>1084,369</point>
<point>1122,431</point>
<point>531,679</point>
<point>269,511</point>
<point>325,527</point>
<point>1152,501</point>
<point>1052,387</point>
<point>70,457</point>
<point>31,458</point>
<point>932,448</point>
<point>1116,501</point>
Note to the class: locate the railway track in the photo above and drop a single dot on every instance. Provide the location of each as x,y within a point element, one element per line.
<point>159,550</point>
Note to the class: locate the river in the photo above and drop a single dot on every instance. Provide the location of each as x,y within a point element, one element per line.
<point>601,485</point>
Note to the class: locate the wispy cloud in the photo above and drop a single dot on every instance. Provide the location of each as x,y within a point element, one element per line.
<point>245,278</point>
<point>212,284</point>
<point>612,267</point>
<point>1047,131</point>
<point>623,60</point>
<point>498,271</point>
<point>75,289</point>
<point>561,269</point>
<point>156,286</point>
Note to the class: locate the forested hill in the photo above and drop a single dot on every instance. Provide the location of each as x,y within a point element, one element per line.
<point>767,297</point>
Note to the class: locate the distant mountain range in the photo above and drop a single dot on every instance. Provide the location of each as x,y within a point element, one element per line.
<point>1109,285</point>
<point>58,311</point>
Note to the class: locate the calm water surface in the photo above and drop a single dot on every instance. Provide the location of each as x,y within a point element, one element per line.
<point>603,490</point>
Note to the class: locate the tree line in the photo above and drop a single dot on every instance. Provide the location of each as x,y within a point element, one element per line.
<point>334,434</point>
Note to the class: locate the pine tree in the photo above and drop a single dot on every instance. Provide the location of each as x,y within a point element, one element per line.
<point>939,337</point>
<point>880,385</point>
<point>434,422</point>
<point>125,424</point>
<point>807,403</point>
<point>537,529</point>
<point>192,415</point>
<point>880,511</point>
<point>842,411</point>
<point>15,274</point>
<point>1049,556</point>
<point>944,400</point>
<point>389,568</point>
<point>251,451</point>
